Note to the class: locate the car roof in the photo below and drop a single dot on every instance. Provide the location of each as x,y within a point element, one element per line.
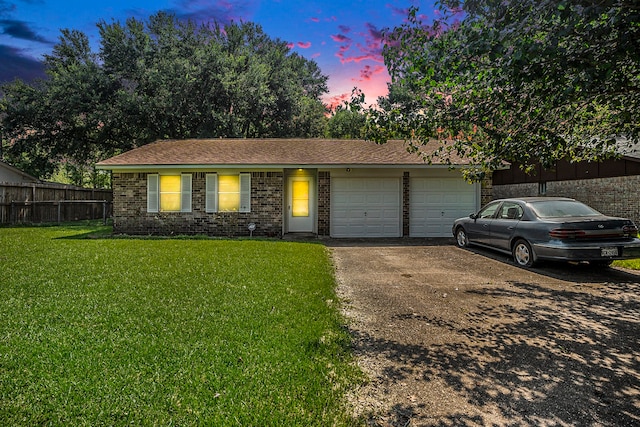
<point>536,199</point>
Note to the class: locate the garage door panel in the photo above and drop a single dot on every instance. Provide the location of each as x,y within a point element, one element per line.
<point>365,207</point>
<point>437,202</point>
<point>374,199</point>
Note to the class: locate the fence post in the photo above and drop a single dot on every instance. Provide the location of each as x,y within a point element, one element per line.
<point>11,212</point>
<point>104,212</point>
<point>59,211</point>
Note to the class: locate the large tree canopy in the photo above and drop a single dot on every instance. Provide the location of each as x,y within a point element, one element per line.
<point>162,78</point>
<point>523,81</point>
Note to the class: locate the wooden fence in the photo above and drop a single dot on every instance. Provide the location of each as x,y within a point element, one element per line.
<point>50,202</point>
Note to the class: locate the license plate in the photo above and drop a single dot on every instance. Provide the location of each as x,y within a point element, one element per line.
<point>609,251</point>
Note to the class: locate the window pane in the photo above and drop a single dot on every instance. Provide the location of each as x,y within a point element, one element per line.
<point>229,184</point>
<point>169,193</point>
<point>562,208</point>
<point>169,202</point>
<point>228,202</point>
<point>170,183</point>
<point>228,193</point>
<point>300,198</point>
<point>489,210</point>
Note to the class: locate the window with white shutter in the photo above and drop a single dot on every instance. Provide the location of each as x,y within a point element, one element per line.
<point>152,193</point>
<point>245,192</point>
<point>211,193</point>
<point>169,193</point>
<point>228,193</point>
<point>185,192</point>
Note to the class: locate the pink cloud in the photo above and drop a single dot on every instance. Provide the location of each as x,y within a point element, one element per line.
<point>291,45</point>
<point>314,19</point>
<point>398,11</point>
<point>337,100</point>
<point>316,55</point>
<point>344,28</point>
<point>374,32</point>
<point>368,72</point>
<point>304,45</point>
<point>369,49</point>
<point>345,59</point>
<point>340,38</point>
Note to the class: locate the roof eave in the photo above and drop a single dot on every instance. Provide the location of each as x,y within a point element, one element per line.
<point>144,167</point>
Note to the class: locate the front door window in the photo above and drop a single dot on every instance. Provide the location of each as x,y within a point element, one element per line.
<point>300,198</point>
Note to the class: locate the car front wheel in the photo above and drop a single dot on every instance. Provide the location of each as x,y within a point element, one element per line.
<point>461,238</point>
<point>523,254</point>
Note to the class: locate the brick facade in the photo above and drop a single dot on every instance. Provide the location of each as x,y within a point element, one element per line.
<point>267,204</point>
<point>131,216</point>
<point>324,203</point>
<point>616,196</point>
<point>406,204</point>
<point>486,190</point>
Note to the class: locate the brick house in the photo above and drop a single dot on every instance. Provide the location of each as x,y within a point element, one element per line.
<point>337,188</point>
<point>611,187</point>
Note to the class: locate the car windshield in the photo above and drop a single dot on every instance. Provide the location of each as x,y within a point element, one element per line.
<point>562,208</point>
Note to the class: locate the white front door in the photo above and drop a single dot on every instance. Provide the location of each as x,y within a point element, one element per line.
<point>300,204</point>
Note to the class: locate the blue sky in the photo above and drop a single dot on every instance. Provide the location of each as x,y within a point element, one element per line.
<point>343,37</point>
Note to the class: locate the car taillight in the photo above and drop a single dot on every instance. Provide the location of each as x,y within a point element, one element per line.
<point>563,233</point>
<point>630,230</point>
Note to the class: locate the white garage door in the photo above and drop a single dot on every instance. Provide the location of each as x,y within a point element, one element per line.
<point>437,202</point>
<point>365,207</point>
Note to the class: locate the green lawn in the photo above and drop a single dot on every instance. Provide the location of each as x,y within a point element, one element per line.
<point>101,331</point>
<point>633,264</point>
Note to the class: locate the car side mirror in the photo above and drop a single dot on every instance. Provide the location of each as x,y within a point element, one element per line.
<point>473,216</point>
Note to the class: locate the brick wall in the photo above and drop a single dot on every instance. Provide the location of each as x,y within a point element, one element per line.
<point>131,216</point>
<point>486,190</point>
<point>617,196</point>
<point>324,203</point>
<point>406,203</point>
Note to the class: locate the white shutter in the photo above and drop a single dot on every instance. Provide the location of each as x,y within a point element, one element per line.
<point>152,193</point>
<point>185,192</point>
<point>245,192</point>
<point>211,193</point>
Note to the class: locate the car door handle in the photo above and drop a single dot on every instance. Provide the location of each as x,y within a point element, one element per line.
<point>511,227</point>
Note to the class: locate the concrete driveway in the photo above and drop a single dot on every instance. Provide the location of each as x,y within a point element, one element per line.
<point>454,337</point>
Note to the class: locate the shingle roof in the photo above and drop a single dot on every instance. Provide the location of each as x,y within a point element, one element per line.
<point>265,152</point>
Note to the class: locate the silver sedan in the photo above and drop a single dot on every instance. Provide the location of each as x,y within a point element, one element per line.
<point>549,228</point>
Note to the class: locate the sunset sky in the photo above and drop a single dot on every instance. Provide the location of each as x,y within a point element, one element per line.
<point>343,37</point>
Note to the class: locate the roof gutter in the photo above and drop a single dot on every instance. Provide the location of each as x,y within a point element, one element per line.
<point>155,167</point>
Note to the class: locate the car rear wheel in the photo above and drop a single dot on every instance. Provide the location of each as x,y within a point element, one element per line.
<point>523,254</point>
<point>461,238</point>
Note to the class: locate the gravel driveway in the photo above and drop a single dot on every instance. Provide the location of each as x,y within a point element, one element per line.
<point>454,337</point>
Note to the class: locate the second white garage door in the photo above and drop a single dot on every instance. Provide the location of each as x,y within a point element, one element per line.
<point>437,202</point>
<point>365,207</point>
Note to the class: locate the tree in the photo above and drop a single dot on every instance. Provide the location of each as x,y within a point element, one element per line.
<point>348,120</point>
<point>158,79</point>
<point>60,121</point>
<point>208,81</point>
<point>521,81</point>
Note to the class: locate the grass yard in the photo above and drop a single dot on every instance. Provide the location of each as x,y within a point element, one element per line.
<point>101,331</point>
<point>633,264</point>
